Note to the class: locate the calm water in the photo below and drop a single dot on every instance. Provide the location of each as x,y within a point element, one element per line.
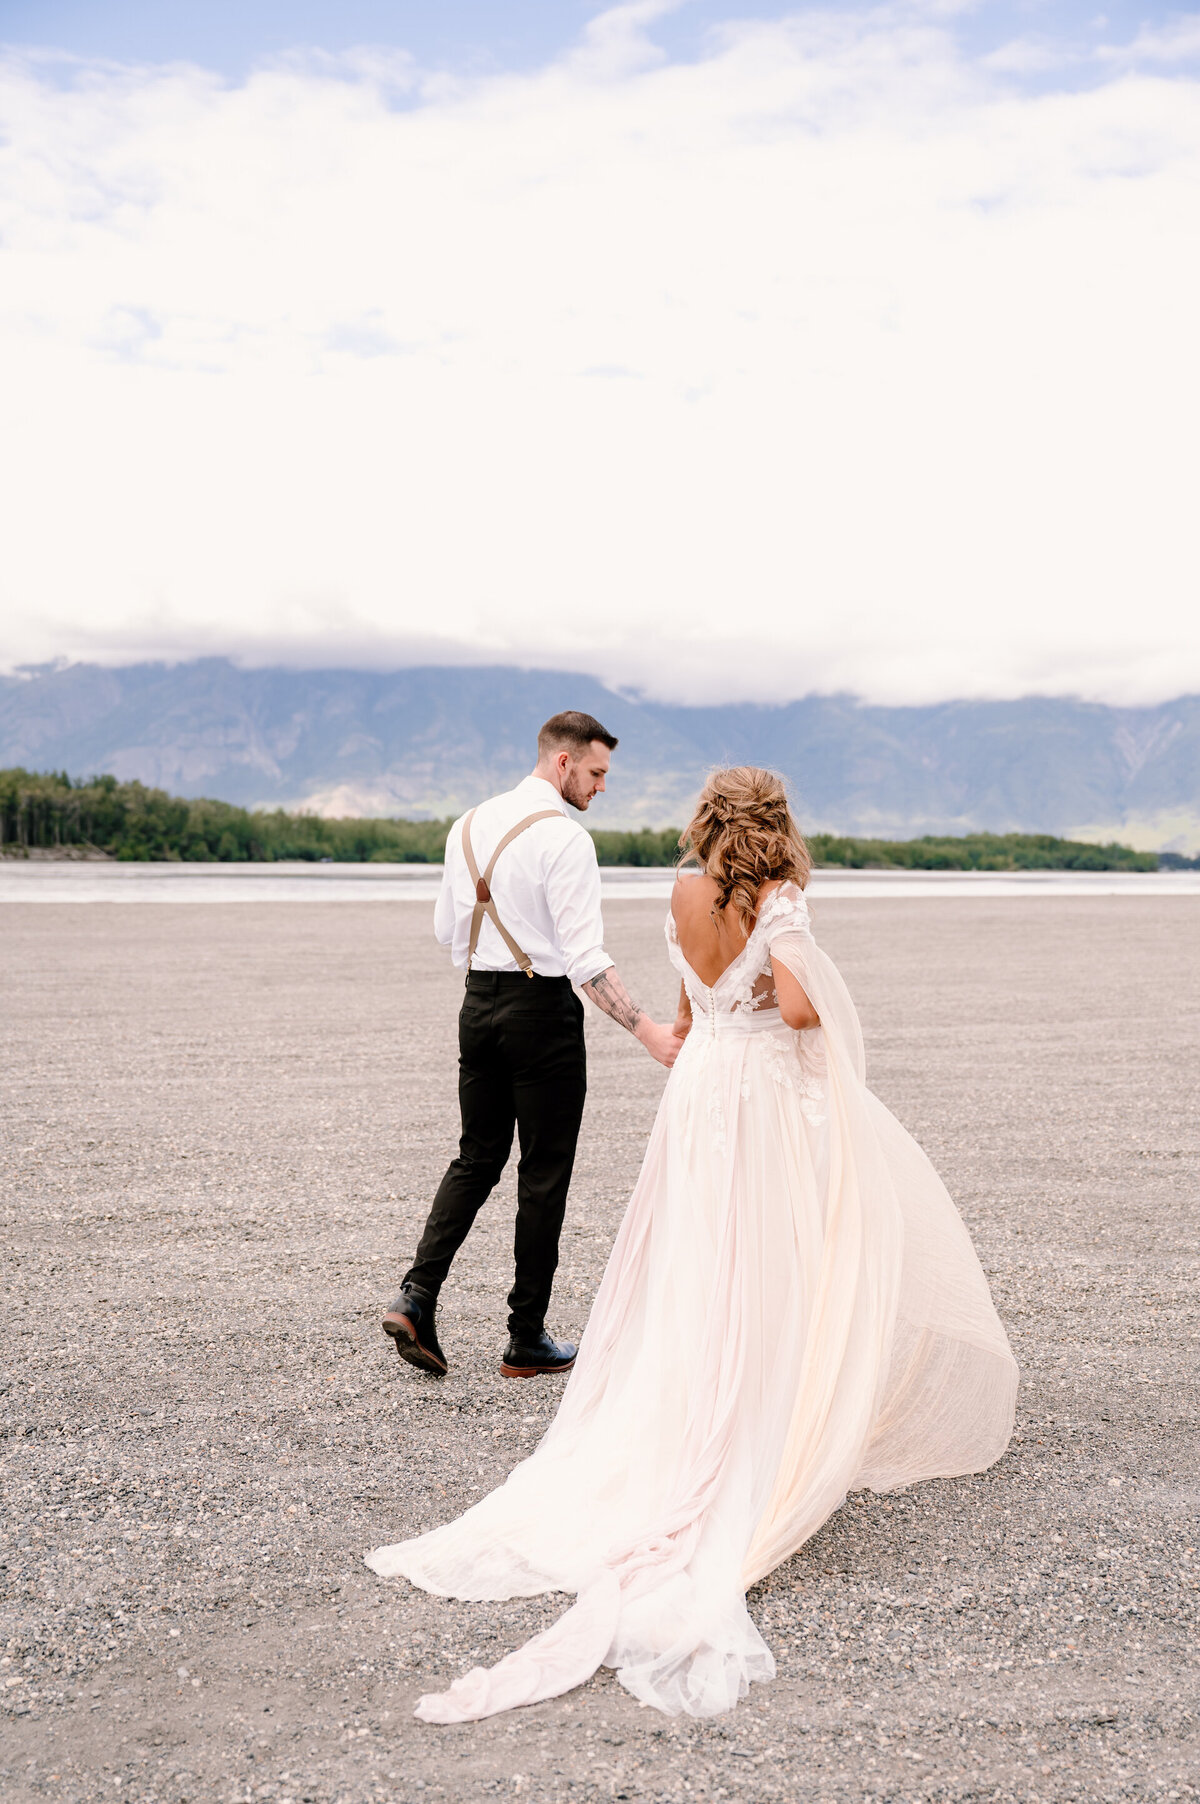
<point>22,881</point>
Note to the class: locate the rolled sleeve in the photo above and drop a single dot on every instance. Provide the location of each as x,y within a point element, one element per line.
<point>573,895</point>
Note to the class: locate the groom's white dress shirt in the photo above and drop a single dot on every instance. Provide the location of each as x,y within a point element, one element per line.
<point>546,887</point>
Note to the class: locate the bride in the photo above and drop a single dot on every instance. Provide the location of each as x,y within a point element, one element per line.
<point>792,1310</point>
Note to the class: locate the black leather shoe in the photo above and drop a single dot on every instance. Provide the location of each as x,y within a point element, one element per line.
<point>526,1359</point>
<point>410,1323</point>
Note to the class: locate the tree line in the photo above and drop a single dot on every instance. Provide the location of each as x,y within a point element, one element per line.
<point>47,811</point>
<point>978,852</point>
<point>131,821</point>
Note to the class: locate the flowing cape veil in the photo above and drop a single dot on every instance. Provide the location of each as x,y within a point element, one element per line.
<point>660,1493</point>
<point>909,1374</point>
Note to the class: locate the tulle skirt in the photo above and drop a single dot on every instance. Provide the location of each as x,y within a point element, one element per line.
<point>792,1309</point>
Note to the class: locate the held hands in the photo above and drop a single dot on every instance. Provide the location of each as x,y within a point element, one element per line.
<point>612,998</point>
<point>661,1042</point>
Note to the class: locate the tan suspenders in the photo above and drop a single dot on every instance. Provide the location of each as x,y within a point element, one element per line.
<point>483,895</point>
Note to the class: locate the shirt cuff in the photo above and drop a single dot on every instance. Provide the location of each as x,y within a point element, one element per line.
<point>588,965</point>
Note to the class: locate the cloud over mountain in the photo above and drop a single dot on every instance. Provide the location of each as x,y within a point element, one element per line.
<point>431,742</point>
<point>834,358</point>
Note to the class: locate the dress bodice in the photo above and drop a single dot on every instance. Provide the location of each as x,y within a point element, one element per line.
<point>746,985</point>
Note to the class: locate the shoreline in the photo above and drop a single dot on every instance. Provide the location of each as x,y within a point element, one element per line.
<point>78,881</point>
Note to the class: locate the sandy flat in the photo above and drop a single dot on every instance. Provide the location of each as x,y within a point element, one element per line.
<point>221,1128</point>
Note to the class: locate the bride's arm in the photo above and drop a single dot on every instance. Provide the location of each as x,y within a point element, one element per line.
<point>794,1005</point>
<point>610,995</point>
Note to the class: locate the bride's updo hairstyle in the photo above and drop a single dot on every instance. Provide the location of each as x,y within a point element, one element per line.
<point>743,834</point>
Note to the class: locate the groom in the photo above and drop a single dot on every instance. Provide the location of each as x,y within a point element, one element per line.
<point>520,909</point>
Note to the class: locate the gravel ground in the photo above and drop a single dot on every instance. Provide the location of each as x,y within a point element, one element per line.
<point>221,1128</point>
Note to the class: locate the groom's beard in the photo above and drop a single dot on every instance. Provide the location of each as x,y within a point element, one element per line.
<point>575,791</point>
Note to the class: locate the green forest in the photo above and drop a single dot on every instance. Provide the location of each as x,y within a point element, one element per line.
<point>51,811</point>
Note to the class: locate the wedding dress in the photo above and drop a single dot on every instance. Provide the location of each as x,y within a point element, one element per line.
<point>792,1310</point>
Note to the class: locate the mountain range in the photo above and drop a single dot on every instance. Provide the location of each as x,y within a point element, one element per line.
<point>427,742</point>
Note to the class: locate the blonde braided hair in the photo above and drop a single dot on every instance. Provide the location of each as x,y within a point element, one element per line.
<point>743,835</point>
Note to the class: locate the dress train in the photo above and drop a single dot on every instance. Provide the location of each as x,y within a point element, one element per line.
<point>792,1310</point>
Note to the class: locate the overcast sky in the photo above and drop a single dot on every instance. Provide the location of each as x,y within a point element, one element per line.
<point>718,349</point>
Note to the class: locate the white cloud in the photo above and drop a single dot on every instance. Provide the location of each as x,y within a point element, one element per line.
<point>1175,41</point>
<point>830,360</point>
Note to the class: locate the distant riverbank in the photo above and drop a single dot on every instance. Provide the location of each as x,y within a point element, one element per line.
<point>49,816</point>
<point>118,881</point>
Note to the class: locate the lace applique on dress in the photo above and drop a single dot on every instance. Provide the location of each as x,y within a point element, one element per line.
<point>755,992</point>
<point>784,911</point>
<point>800,1069</point>
<point>747,986</point>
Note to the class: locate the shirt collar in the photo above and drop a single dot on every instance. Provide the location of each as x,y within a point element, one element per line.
<point>543,793</point>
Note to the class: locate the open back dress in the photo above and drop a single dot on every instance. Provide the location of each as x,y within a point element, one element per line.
<point>792,1310</point>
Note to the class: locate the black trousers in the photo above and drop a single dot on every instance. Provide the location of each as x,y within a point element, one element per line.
<point>522,1066</point>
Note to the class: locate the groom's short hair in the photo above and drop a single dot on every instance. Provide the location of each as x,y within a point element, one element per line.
<point>575,731</point>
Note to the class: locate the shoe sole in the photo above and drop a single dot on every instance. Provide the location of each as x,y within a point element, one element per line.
<point>507,1371</point>
<point>403,1331</point>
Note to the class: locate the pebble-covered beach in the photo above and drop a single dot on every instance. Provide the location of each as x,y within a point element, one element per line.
<point>220,1129</point>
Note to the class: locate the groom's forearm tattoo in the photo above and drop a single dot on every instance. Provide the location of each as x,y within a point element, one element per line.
<point>609,993</point>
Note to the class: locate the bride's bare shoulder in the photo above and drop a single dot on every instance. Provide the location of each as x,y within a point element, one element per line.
<point>692,894</point>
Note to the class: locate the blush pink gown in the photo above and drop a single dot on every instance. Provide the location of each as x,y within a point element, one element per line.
<point>792,1310</point>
